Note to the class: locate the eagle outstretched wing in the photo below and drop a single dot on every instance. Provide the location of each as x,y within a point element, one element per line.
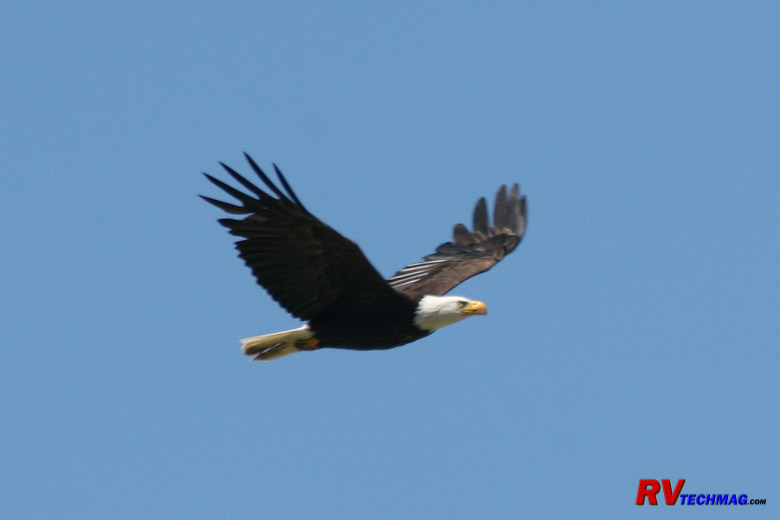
<point>305,265</point>
<point>470,252</point>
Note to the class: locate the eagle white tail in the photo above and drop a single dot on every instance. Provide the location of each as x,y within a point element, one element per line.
<point>278,344</point>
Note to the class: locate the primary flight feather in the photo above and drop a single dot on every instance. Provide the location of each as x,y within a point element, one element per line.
<point>322,277</point>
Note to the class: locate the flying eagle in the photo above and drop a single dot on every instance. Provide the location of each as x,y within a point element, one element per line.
<point>322,277</point>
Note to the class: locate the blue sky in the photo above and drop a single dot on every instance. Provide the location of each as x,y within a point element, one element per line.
<point>633,334</point>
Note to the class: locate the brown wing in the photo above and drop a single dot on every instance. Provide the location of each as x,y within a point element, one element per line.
<point>470,252</point>
<point>304,264</point>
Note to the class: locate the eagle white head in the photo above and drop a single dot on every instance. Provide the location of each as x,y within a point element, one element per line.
<point>434,312</point>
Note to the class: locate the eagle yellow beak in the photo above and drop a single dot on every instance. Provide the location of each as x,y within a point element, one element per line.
<point>474,307</point>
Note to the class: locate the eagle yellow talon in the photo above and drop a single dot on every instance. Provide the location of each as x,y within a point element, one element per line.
<point>308,344</point>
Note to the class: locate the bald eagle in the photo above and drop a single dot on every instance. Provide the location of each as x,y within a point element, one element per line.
<point>321,277</point>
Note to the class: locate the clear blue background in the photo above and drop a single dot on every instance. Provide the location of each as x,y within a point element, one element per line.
<point>633,334</point>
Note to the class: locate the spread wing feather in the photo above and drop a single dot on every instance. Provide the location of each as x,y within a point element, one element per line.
<point>470,252</point>
<point>305,265</point>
